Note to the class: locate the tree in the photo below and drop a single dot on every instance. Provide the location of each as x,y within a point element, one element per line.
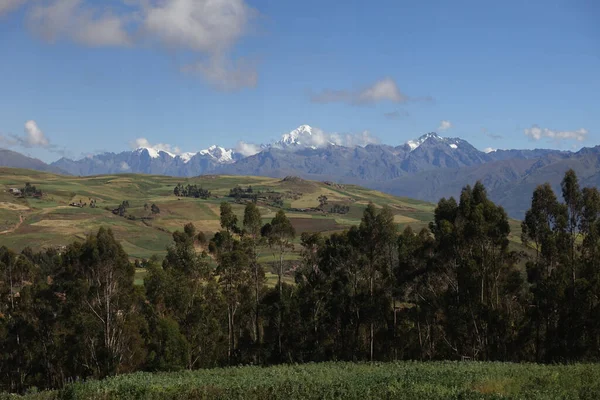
<point>154,208</point>
<point>233,262</point>
<point>252,226</point>
<point>201,238</point>
<point>322,201</point>
<point>228,218</point>
<point>102,292</point>
<point>478,275</point>
<point>182,290</point>
<point>376,237</point>
<point>279,234</point>
<point>542,228</point>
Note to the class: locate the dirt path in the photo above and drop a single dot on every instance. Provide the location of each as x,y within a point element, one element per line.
<point>14,228</point>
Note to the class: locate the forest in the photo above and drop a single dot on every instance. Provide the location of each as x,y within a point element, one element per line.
<point>453,291</point>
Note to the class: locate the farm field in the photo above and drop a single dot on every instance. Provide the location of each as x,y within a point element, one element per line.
<point>51,222</point>
<point>402,380</point>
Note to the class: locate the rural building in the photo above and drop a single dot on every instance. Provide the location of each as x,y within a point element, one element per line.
<point>14,191</point>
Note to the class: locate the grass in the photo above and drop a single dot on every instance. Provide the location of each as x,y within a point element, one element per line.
<point>342,380</point>
<point>51,222</point>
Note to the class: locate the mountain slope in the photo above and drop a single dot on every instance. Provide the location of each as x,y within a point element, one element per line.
<point>428,167</point>
<point>151,161</point>
<point>9,158</point>
<point>510,182</point>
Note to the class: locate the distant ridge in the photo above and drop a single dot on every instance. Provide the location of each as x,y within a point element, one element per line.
<point>426,168</point>
<point>9,158</point>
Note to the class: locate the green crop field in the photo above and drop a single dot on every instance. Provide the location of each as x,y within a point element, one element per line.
<point>51,222</point>
<point>402,380</point>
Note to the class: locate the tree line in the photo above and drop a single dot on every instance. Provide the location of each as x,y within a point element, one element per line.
<point>455,290</point>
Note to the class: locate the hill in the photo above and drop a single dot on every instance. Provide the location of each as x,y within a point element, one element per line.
<point>426,168</point>
<point>51,221</point>
<point>9,158</point>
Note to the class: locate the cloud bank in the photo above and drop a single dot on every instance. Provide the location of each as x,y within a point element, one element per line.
<point>444,126</point>
<point>537,133</point>
<point>7,6</point>
<point>208,29</point>
<point>143,142</point>
<point>397,114</point>
<point>382,90</point>
<point>491,135</point>
<point>247,149</point>
<point>34,137</point>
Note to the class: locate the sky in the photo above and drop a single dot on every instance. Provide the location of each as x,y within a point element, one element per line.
<point>80,77</point>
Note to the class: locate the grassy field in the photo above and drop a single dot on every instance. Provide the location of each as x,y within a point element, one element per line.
<point>51,222</point>
<point>403,380</point>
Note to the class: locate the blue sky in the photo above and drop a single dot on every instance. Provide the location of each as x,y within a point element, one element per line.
<point>83,76</point>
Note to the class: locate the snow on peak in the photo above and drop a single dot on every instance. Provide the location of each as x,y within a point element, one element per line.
<point>295,136</point>
<point>154,152</point>
<point>221,154</point>
<point>453,143</point>
<point>413,144</point>
<point>186,157</point>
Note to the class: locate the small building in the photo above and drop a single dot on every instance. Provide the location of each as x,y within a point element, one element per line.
<point>14,191</point>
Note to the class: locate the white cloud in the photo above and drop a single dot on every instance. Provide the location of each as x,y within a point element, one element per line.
<point>247,149</point>
<point>225,74</point>
<point>317,139</point>
<point>537,133</point>
<point>34,137</point>
<point>75,21</point>
<point>489,150</point>
<point>382,90</point>
<point>124,166</point>
<point>7,6</point>
<point>209,29</point>
<point>444,126</point>
<point>143,142</point>
<point>491,135</point>
<point>353,139</point>
<point>397,114</point>
<point>202,25</point>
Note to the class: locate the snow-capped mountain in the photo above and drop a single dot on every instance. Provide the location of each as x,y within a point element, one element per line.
<point>149,160</point>
<point>153,153</point>
<point>299,136</point>
<point>453,143</point>
<point>220,154</point>
<point>426,167</point>
<point>374,162</point>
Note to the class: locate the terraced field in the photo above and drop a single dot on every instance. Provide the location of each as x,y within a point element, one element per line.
<point>50,221</point>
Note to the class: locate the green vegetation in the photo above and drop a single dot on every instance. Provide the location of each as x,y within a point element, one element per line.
<point>456,290</point>
<point>151,212</point>
<point>191,191</point>
<point>403,380</point>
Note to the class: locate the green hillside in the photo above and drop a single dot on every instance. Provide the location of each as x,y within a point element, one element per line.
<point>50,220</point>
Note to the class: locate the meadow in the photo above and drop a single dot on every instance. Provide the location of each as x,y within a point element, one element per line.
<point>342,380</point>
<point>51,222</point>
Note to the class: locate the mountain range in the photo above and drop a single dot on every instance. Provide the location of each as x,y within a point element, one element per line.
<point>426,168</point>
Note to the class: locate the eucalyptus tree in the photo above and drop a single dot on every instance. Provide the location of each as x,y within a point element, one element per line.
<point>252,226</point>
